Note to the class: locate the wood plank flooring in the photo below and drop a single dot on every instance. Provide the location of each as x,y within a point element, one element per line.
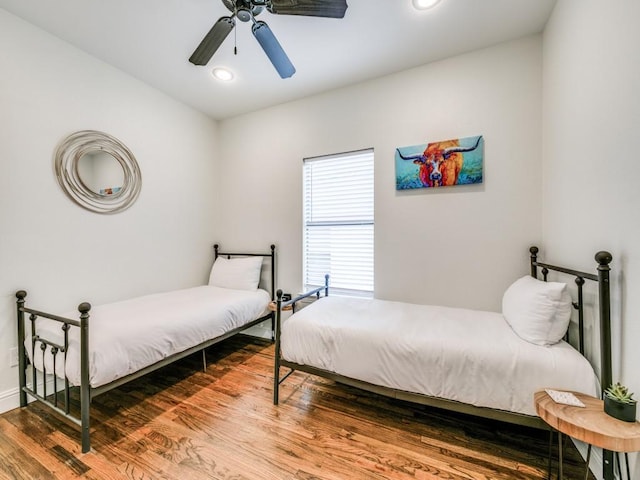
<point>182,423</point>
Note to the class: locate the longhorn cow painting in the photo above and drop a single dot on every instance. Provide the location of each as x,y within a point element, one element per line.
<point>440,164</point>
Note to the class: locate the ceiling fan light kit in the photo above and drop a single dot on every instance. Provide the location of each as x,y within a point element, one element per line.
<point>247,10</point>
<point>223,74</point>
<point>425,4</point>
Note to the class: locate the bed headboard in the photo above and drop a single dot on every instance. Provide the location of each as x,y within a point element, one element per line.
<point>269,259</point>
<point>604,301</point>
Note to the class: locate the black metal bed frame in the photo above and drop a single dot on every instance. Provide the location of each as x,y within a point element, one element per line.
<point>87,393</point>
<point>602,278</point>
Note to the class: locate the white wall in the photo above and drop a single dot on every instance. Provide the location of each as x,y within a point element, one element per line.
<point>590,163</point>
<point>459,246</point>
<point>60,253</point>
<point>590,171</point>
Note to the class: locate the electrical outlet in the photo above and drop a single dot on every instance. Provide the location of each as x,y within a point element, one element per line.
<point>13,357</point>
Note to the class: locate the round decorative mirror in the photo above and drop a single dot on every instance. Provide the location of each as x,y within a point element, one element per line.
<point>97,171</point>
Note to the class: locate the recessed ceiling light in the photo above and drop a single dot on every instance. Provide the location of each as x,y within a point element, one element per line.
<point>222,74</point>
<point>425,4</point>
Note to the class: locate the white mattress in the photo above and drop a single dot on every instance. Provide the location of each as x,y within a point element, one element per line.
<point>127,336</point>
<point>469,356</point>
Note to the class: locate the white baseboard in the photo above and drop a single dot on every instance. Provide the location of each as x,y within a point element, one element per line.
<point>10,399</point>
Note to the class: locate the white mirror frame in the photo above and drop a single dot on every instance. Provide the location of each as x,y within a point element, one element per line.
<point>69,153</point>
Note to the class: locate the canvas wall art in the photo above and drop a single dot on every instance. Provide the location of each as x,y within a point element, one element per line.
<point>440,164</point>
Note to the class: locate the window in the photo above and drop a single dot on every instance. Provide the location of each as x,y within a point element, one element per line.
<point>338,222</point>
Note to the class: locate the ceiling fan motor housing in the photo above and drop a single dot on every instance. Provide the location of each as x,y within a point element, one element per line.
<point>243,9</point>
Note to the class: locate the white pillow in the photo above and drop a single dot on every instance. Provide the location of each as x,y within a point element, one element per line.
<point>238,273</point>
<point>539,312</point>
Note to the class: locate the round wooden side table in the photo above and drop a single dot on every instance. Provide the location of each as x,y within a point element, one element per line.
<point>590,425</point>
<point>273,306</point>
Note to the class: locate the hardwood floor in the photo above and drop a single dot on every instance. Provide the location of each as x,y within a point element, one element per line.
<point>183,423</point>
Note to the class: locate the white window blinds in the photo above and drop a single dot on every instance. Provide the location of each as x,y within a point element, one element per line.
<point>338,222</point>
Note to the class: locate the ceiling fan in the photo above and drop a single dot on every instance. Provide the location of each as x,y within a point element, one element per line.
<point>247,10</point>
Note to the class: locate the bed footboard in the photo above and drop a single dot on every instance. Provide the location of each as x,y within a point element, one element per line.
<point>55,349</point>
<point>280,305</point>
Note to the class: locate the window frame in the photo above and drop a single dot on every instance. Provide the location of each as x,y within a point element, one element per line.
<point>352,274</point>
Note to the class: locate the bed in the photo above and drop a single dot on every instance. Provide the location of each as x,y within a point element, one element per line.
<point>112,344</point>
<point>486,364</point>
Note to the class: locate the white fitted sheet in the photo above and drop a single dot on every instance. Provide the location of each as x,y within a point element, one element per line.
<point>127,336</point>
<point>468,356</point>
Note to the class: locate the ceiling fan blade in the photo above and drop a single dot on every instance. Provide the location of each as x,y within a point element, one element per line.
<point>310,8</point>
<point>273,49</point>
<point>212,41</point>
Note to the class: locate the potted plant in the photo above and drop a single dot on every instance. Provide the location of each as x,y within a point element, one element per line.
<point>619,403</point>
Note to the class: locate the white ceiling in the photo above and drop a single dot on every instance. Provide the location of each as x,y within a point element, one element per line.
<point>153,39</point>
